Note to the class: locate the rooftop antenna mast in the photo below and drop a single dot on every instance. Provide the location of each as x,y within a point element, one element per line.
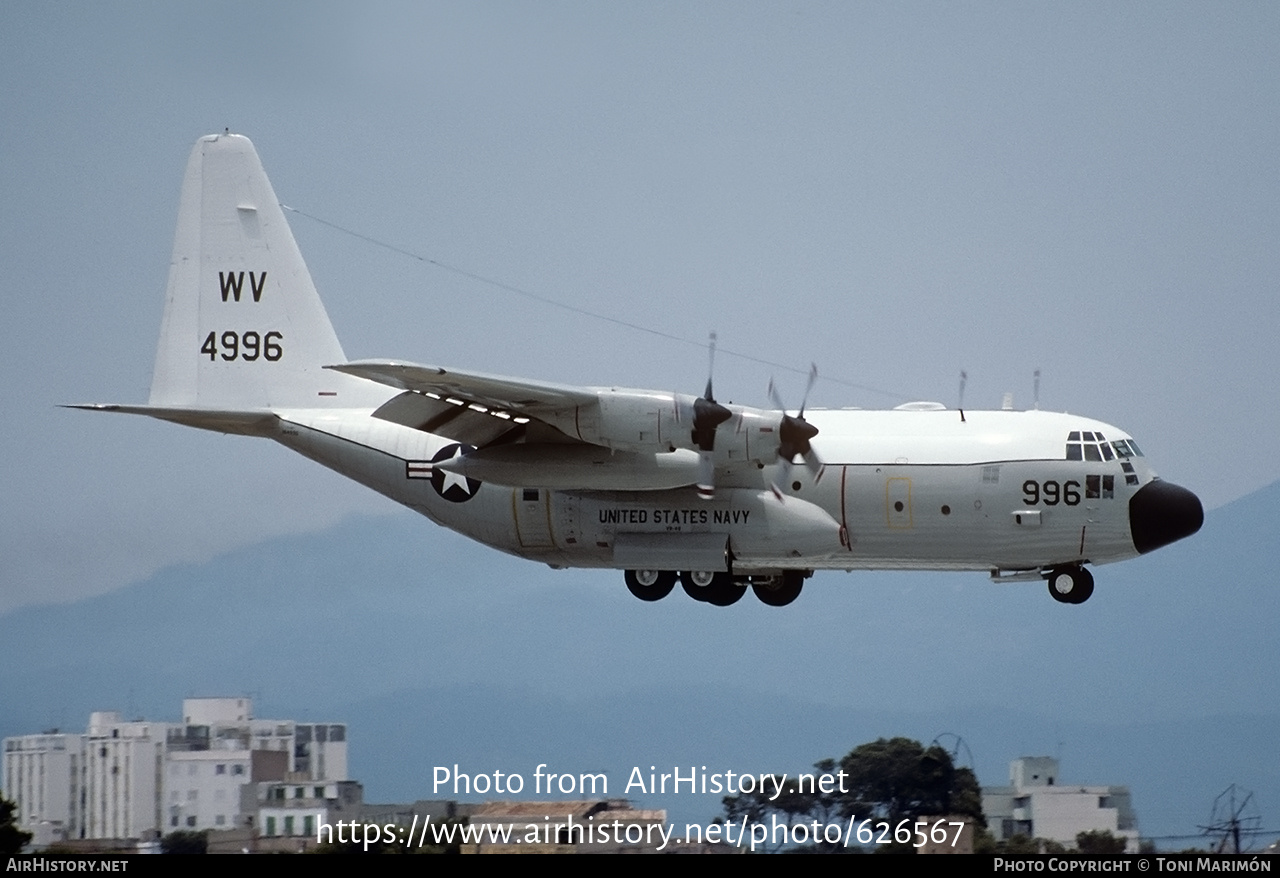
<point>1229,822</point>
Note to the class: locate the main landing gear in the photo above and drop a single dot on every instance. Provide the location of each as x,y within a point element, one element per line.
<point>780,590</point>
<point>1070,584</point>
<point>650,585</point>
<point>717,588</point>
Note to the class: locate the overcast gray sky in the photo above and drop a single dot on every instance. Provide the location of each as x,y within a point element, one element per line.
<point>894,191</point>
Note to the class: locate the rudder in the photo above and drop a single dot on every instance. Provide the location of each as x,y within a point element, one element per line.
<point>243,327</point>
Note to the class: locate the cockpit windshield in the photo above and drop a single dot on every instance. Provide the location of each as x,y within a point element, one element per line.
<point>1127,448</point>
<point>1092,445</point>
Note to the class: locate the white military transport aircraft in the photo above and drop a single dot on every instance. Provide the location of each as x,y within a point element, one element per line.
<point>664,486</point>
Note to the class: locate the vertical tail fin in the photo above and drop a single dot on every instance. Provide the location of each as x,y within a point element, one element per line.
<point>243,328</point>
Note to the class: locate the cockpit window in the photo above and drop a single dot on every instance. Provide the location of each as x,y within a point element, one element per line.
<point>1089,445</point>
<point>1126,448</point>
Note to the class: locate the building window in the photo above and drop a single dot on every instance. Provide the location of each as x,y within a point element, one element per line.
<point>220,820</point>
<point>271,826</point>
<point>237,769</point>
<point>220,768</point>
<point>191,821</point>
<point>288,825</point>
<point>308,826</point>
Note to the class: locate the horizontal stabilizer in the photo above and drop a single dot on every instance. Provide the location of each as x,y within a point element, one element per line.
<point>245,423</point>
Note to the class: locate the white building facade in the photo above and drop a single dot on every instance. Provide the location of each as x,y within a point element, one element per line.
<point>1037,805</point>
<point>136,779</point>
<point>41,774</point>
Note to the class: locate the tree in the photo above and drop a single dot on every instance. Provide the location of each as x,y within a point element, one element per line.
<point>1100,843</point>
<point>898,779</point>
<point>12,839</point>
<point>888,780</point>
<point>183,842</point>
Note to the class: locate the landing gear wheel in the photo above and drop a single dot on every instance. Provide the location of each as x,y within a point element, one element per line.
<point>1070,585</point>
<point>650,585</point>
<point>695,583</point>
<point>725,590</point>
<point>778,591</point>
<point>717,589</point>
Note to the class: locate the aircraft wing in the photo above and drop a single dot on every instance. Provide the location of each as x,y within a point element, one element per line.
<point>471,407</point>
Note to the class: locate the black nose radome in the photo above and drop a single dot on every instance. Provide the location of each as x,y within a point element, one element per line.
<point>1161,513</point>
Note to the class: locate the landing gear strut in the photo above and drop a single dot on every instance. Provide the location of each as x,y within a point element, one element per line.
<point>779,590</point>
<point>1071,584</point>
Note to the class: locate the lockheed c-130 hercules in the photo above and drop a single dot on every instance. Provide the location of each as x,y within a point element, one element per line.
<point>664,486</point>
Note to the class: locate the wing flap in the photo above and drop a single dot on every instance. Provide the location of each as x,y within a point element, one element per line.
<point>460,421</point>
<point>491,391</point>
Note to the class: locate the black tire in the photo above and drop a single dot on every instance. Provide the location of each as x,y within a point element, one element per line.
<point>650,585</point>
<point>721,590</point>
<point>725,591</point>
<point>698,592</point>
<point>1070,585</point>
<point>781,590</point>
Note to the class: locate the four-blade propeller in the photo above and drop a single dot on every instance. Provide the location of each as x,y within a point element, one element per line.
<point>794,433</point>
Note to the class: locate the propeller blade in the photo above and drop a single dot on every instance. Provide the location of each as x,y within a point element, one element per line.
<point>782,478</point>
<point>815,466</point>
<point>708,415</point>
<point>706,475</point>
<point>776,398</point>
<point>813,377</point>
<point>711,368</point>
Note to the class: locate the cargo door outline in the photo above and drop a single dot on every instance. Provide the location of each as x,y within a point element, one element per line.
<point>531,510</point>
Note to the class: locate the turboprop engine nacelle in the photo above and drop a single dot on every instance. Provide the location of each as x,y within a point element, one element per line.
<point>652,421</point>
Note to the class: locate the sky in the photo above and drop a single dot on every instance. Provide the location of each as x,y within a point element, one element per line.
<point>896,192</point>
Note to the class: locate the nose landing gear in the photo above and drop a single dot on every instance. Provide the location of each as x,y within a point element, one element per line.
<point>1070,584</point>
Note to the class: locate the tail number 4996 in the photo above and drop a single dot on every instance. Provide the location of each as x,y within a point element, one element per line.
<point>248,346</point>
